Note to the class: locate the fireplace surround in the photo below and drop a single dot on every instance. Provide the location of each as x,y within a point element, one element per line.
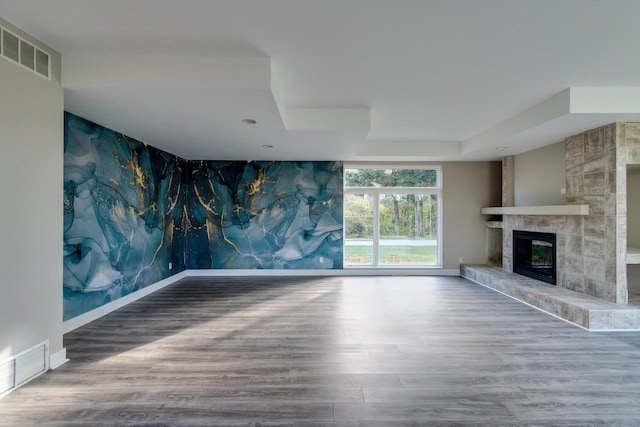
<point>534,255</point>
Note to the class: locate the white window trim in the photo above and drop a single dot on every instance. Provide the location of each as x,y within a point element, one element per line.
<point>437,190</point>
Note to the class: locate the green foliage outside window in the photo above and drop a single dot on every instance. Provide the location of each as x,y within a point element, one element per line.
<point>401,215</point>
<point>390,177</point>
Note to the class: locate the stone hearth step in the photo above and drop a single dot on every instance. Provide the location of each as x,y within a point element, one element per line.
<point>588,312</point>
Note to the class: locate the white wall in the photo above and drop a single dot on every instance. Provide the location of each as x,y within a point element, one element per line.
<point>31,143</point>
<point>539,175</point>
<point>467,187</point>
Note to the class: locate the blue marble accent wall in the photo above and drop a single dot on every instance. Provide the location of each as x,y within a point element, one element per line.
<point>131,209</point>
<point>264,215</point>
<point>123,215</point>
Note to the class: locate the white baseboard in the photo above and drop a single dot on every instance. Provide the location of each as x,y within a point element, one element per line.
<point>354,271</point>
<point>96,313</point>
<point>58,359</point>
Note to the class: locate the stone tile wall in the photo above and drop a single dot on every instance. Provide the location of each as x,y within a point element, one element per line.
<point>591,249</point>
<point>591,166</point>
<point>627,136</point>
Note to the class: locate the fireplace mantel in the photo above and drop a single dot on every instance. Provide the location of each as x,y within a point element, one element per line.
<point>537,210</point>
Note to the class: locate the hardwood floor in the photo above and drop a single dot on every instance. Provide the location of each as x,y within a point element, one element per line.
<point>346,351</point>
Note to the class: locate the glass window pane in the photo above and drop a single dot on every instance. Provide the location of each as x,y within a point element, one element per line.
<point>408,229</point>
<point>358,227</point>
<point>391,177</point>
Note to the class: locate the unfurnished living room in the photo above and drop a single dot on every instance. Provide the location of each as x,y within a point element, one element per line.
<point>320,213</point>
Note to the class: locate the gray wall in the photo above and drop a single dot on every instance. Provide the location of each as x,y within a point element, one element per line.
<point>467,187</point>
<point>31,119</point>
<point>539,175</point>
<point>633,206</point>
<point>633,223</point>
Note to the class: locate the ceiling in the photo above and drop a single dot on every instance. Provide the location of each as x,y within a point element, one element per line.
<point>355,80</point>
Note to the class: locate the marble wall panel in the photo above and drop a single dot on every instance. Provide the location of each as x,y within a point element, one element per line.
<point>594,287</point>
<point>593,247</point>
<point>574,225</point>
<point>610,205</point>
<point>594,140</point>
<point>574,165</point>
<point>593,183</point>
<point>264,215</point>
<point>574,281</point>
<point>594,226</point>
<point>574,185</point>
<point>574,264</point>
<point>537,223</point>
<point>610,182</point>
<point>632,134</point>
<point>561,253</point>
<point>594,162</point>
<point>574,145</point>
<point>574,200</point>
<point>558,224</point>
<point>633,155</point>
<point>609,134</point>
<point>122,215</point>
<point>574,245</point>
<point>621,205</point>
<point>610,271</point>
<point>131,211</point>
<point>596,204</point>
<point>610,159</point>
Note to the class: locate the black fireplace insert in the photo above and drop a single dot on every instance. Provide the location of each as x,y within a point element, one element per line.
<point>534,255</point>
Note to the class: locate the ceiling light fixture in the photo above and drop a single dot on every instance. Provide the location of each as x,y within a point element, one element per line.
<point>502,148</point>
<point>267,146</point>
<point>249,121</point>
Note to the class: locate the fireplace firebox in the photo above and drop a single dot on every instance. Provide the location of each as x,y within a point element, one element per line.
<point>534,255</point>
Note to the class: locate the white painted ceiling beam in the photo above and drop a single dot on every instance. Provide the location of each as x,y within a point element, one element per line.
<point>572,105</point>
<point>409,150</point>
<point>327,119</point>
<point>600,100</point>
<point>160,72</point>
<point>543,112</point>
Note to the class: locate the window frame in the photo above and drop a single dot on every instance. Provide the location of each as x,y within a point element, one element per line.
<point>377,192</point>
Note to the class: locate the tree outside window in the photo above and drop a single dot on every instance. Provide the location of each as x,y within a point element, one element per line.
<point>392,216</point>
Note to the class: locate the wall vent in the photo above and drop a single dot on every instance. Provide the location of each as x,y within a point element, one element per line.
<point>17,50</point>
<point>23,367</point>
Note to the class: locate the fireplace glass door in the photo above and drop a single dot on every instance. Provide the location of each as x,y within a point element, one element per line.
<point>535,255</point>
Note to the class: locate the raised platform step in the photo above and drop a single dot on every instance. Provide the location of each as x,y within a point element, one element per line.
<point>588,312</point>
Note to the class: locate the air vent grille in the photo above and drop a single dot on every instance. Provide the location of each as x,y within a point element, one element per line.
<point>23,53</point>
<point>23,367</point>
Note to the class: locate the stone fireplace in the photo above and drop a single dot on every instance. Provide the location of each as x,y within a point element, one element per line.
<point>590,249</point>
<point>592,231</point>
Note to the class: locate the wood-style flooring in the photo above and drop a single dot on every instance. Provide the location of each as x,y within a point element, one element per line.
<point>338,351</point>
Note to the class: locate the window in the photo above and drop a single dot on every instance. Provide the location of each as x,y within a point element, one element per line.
<point>392,216</point>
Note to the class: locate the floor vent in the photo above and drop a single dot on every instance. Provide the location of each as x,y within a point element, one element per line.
<point>16,49</point>
<point>23,367</point>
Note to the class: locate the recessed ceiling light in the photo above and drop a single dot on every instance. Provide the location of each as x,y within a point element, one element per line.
<point>502,148</point>
<point>267,146</point>
<point>249,121</point>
